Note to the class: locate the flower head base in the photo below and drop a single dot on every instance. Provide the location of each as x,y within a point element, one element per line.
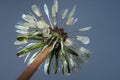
<point>35,34</point>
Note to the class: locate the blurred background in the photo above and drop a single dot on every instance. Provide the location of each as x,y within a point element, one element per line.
<point>102,15</point>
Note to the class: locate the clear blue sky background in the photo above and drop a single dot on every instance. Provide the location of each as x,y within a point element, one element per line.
<point>102,15</point>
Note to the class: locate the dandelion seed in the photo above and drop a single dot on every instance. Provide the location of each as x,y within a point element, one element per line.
<point>29,18</point>
<point>21,28</point>
<point>50,41</point>
<point>47,13</point>
<point>83,39</point>
<point>85,29</point>
<point>36,10</point>
<point>22,31</point>
<point>64,13</point>
<point>68,42</point>
<point>42,24</point>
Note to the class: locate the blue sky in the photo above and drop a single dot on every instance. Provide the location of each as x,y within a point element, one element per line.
<point>102,15</point>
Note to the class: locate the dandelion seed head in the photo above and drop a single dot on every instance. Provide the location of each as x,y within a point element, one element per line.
<point>45,34</point>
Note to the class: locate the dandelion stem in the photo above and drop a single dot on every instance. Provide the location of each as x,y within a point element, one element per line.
<point>32,68</point>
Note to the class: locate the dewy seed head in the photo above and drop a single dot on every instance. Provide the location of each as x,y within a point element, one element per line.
<point>36,34</point>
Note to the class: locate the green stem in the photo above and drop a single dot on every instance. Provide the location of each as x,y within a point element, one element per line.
<point>50,59</point>
<point>57,66</point>
<point>70,51</point>
<point>26,50</point>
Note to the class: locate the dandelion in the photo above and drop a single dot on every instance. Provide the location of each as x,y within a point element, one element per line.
<point>48,43</point>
